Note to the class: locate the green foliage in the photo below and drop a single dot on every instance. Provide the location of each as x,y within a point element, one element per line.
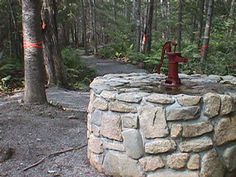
<point>79,76</point>
<point>106,52</point>
<point>11,74</point>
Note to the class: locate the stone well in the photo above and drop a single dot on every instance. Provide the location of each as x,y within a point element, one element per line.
<point>138,128</point>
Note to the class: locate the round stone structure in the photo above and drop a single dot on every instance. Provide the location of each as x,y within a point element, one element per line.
<point>138,127</point>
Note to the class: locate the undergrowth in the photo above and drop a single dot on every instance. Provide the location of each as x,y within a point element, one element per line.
<point>79,76</point>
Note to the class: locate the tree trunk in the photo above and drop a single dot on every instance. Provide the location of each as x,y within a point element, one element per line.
<point>84,25</point>
<point>165,15</point>
<point>193,34</point>
<point>137,24</point>
<point>34,92</point>
<point>231,17</point>
<point>15,34</point>
<point>180,19</point>
<point>94,26</point>
<point>201,20</point>
<point>148,30</point>
<point>52,54</point>
<point>206,37</point>
<point>231,12</point>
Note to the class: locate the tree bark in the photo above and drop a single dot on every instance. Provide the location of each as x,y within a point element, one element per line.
<point>94,26</point>
<point>231,17</point>
<point>148,30</point>
<point>206,37</point>
<point>52,55</point>
<point>180,22</point>
<point>165,15</point>
<point>84,25</point>
<point>137,24</point>
<point>201,21</point>
<point>15,34</point>
<point>34,92</point>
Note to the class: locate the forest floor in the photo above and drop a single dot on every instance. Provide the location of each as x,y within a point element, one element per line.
<point>30,134</point>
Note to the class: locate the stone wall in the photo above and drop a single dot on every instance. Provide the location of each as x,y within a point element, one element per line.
<point>134,132</point>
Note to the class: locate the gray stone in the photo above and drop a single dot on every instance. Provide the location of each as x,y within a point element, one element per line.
<point>152,122</point>
<point>115,83</point>
<point>131,97</point>
<point>211,165</point>
<point>129,120</point>
<point>113,145</point>
<point>187,100</point>
<point>96,161</point>
<point>100,103</point>
<point>95,145</point>
<point>225,130</point>
<point>160,98</point>
<point>95,130</point>
<point>193,130</point>
<point>89,119</point>
<point>151,163</point>
<point>176,130</point>
<point>196,145</point>
<point>226,104</point>
<point>229,80</point>
<point>96,117</point>
<point>230,158</point>
<point>160,146</point>
<point>98,85</point>
<point>182,113</point>
<point>118,164</point>
<point>133,143</point>
<point>212,104</point>
<point>118,106</point>
<point>91,100</point>
<point>194,162</point>
<point>109,95</point>
<point>214,78</point>
<point>178,160</point>
<point>173,173</point>
<point>111,126</point>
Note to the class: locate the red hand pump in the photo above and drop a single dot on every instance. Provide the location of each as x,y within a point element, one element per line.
<point>174,58</point>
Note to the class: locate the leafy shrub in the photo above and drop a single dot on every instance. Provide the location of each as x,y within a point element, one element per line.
<point>79,76</point>
<point>11,74</point>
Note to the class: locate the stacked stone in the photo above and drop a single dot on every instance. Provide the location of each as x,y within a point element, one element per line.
<point>136,133</point>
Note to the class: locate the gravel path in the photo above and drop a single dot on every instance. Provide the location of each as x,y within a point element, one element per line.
<point>106,66</point>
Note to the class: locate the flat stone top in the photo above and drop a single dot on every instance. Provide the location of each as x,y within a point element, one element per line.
<point>154,83</point>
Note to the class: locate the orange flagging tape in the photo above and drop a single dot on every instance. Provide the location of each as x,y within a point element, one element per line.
<point>38,45</point>
<point>203,48</point>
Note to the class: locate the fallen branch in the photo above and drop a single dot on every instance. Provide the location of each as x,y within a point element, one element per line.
<point>53,155</point>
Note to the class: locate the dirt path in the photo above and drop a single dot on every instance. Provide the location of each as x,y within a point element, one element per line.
<point>28,134</point>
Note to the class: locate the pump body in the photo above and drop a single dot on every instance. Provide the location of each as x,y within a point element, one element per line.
<point>174,58</point>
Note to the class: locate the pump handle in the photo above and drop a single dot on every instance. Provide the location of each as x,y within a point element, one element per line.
<point>166,48</point>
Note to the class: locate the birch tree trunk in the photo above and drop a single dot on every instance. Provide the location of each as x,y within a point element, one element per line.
<point>34,92</point>
<point>206,37</point>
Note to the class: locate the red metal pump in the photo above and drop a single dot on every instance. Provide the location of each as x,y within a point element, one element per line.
<point>174,58</point>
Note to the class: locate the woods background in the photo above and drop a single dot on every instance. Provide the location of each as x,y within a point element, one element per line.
<point>128,30</point>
